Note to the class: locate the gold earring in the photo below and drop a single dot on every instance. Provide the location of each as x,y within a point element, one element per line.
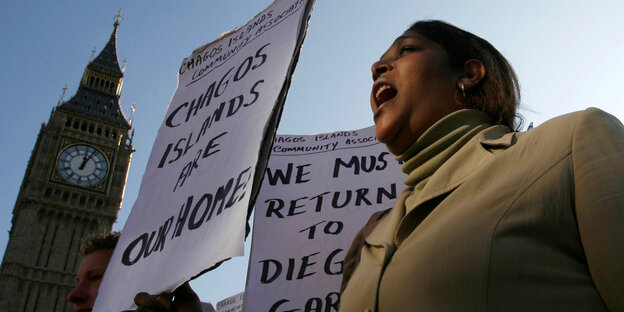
<point>463,90</point>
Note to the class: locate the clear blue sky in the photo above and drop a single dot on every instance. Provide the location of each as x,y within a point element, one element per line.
<point>568,56</point>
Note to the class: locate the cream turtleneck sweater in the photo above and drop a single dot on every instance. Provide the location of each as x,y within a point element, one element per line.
<point>436,146</point>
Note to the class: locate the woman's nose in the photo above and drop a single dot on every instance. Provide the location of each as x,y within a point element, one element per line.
<point>379,68</point>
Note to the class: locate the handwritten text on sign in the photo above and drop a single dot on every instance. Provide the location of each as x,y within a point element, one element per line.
<point>192,205</point>
<point>318,191</point>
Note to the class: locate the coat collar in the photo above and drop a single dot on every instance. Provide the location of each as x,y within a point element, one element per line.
<point>395,226</point>
<point>480,150</point>
<point>467,160</point>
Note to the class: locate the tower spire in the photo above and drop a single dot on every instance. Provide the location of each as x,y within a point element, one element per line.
<point>99,92</point>
<point>118,18</point>
<point>107,59</point>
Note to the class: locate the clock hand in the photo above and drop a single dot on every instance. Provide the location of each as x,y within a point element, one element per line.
<point>84,160</point>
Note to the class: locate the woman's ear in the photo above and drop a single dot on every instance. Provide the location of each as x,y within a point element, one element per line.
<point>474,72</point>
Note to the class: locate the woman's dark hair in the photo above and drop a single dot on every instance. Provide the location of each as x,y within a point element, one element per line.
<point>498,93</point>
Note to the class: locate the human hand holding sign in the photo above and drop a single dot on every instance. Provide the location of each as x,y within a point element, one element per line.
<point>183,299</point>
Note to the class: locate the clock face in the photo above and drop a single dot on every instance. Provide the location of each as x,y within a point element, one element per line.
<point>82,165</point>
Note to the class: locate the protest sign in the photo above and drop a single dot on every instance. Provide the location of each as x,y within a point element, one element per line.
<point>201,177</point>
<point>231,304</point>
<point>318,191</point>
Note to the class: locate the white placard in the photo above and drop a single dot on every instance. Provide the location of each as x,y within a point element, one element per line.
<point>231,304</point>
<point>318,191</point>
<point>191,209</point>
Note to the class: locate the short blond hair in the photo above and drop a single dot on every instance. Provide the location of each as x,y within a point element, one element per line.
<point>99,241</point>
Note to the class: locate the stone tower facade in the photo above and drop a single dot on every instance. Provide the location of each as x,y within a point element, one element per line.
<point>72,187</point>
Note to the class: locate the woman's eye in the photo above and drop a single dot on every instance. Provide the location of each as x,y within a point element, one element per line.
<point>407,49</point>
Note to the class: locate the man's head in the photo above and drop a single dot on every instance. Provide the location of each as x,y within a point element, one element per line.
<point>97,251</point>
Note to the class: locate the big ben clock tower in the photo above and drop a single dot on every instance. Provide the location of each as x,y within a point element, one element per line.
<point>72,187</point>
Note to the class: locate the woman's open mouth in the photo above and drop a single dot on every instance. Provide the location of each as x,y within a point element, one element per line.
<point>383,92</point>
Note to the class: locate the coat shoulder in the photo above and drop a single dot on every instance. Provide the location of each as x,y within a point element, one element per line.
<point>566,126</point>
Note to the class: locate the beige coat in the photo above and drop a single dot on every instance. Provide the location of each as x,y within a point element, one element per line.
<point>529,221</point>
